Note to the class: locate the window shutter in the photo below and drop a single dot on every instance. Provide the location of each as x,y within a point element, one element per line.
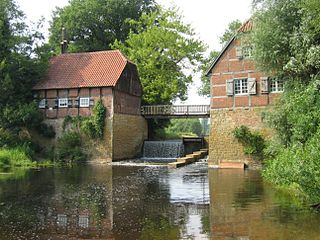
<point>76,102</point>
<point>252,86</point>
<point>56,103</point>
<point>264,85</point>
<point>239,54</point>
<point>91,102</point>
<point>46,103</point>
<point>229,87</point>
<point>69,102</point>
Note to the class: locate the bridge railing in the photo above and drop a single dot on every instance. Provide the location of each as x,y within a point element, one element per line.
<point>175,110</point>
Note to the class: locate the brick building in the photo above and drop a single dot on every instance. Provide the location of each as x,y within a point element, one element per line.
<point>73,84</point>
<point>239,93</point>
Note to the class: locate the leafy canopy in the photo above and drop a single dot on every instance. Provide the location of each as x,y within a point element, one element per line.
<point>93,25</point>
<point>21,66</point>
<point>165,51</point>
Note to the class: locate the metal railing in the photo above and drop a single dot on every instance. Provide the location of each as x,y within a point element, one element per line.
<point>176,111</point>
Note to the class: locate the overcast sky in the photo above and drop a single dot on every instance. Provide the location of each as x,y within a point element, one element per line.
<point>209,18</point>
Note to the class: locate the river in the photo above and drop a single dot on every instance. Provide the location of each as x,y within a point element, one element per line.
<point>148,202</point>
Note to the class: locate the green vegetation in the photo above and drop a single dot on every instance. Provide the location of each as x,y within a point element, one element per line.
<point>162,46</point>
<point>92,25</point>
<point>179,128</point>
<point>286,37</point>
<point>253,142</point>
<point>16,157</point>
<point>68,149</point>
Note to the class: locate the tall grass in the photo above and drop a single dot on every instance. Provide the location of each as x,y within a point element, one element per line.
<point>16,157</point>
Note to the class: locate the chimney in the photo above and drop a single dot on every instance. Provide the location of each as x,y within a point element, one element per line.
<point>64,42</point>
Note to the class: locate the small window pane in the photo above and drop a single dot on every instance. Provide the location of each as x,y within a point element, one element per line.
<point>83,221</point>
<point>241,86</point>
<point>63,102</point>
<point>62,220</point>
<point>276,85</point>
<point>84,102</point>
<point>42,103</point>
<point>247,51</point>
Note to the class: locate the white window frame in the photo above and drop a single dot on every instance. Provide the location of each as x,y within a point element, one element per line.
<point>63,102</point>
<point>62,220</point>
<point>276,85</point>
<point>81,104</point>
<point>83,221</point>
<point>243,87</point>
<point>42,103</point>
<point>247,51</point>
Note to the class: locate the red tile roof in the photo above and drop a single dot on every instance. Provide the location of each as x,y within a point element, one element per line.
<point>90,69</point>
<point>246,27</point>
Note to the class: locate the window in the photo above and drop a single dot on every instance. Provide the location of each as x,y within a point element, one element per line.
<point>83,221</point>
<point>247,51</point>
<point>84,102</point>
<point>241,86</point>
<point>62,220</point>
<point>63,102</point>
<point>276,85</point>
<point>42,103</point>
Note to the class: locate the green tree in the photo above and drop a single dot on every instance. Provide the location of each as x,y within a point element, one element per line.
<point>93,25</point>
<point>230,31</point>
<point>163,47</point>
<point>183,126</point>
<point>287,45</point>
<point>21,67</point>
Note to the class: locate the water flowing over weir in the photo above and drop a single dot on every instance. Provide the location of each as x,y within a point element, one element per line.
<point>164,151</point>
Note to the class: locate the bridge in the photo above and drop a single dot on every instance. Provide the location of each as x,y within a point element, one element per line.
<point>176,111</point>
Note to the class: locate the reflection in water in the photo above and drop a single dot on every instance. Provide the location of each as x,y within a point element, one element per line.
<point>104,202</point>
<point>243,207</point>
<point>95,202</point>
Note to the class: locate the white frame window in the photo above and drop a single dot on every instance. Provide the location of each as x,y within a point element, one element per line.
<point>247,51</point>
<point>241,86</point>
<point>42,103</point>
<point>84,102</point>
<point>62,220</point>
<point>83,221</point>
<point>63,102</point>
<point>276,85</point>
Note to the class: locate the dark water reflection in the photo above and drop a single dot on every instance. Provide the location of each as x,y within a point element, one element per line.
<point>122,202</point>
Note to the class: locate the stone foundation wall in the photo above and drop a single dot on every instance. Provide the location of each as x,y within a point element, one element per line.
<point>129,132</point>
<point>223,147</point>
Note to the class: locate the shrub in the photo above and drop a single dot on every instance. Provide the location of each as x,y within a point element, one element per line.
<point>68,148</point>
<point>253,142</point>
<point>46,130</point>
<point>16,157</point>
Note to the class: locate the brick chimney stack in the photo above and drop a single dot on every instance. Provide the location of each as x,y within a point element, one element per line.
<point>64,42</point>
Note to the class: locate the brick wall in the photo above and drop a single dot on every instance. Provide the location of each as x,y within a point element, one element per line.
<point>129,132</point>
<point>223,147</point>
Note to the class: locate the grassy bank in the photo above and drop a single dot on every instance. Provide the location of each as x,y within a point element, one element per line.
<point>19,157</point>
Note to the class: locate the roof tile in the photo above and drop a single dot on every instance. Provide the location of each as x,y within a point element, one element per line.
<point>90,69</point>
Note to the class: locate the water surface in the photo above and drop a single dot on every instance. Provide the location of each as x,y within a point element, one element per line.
<point>148,202</point>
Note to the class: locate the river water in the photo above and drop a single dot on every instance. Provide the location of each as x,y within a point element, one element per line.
<point>148,202</point>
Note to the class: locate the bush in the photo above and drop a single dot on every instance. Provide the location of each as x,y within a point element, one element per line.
<point>46,131</point>
<point>68,149</point>
<point>16,157</point>
<point>254,144</point>
<point>8,138</point>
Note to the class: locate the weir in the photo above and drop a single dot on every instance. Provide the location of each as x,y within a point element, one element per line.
<point>163,151</point>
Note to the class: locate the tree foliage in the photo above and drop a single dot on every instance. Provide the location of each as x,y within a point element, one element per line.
<point>163,47</point>
<point>93,25</point>
<point>287,45</point>
<point>21,66</point>
<point>230,31</point>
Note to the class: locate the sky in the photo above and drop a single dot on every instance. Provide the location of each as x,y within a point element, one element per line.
<point>209,19</point>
